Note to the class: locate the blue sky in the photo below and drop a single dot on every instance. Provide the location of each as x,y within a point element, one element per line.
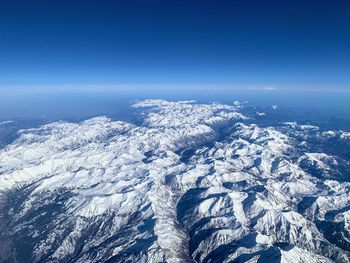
<point>247,44</point>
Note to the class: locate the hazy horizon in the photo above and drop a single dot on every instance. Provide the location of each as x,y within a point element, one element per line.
<point>286,45</point>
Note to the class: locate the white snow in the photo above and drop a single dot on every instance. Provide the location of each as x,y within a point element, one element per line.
<point>116,171</point>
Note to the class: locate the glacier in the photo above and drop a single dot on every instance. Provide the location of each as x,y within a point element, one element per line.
<point>190,182</point>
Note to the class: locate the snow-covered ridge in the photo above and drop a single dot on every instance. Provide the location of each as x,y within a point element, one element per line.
<point>169,190</point>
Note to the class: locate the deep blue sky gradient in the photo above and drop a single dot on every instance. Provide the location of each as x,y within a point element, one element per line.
<point>287,44</point>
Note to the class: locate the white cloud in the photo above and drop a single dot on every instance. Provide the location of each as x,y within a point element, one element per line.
<point>267,88</point>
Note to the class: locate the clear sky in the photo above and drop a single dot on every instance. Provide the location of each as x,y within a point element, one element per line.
<point>294,44</point>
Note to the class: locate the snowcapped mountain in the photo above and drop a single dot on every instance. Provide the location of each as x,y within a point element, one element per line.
<point>190,183</point>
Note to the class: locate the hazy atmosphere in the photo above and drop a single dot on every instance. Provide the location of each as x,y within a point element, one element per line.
<point>174,131</point>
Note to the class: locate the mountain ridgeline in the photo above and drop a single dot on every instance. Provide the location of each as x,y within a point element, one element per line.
<point>190,183</point>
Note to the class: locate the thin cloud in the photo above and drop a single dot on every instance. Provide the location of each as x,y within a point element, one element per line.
<point>267,88</point>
